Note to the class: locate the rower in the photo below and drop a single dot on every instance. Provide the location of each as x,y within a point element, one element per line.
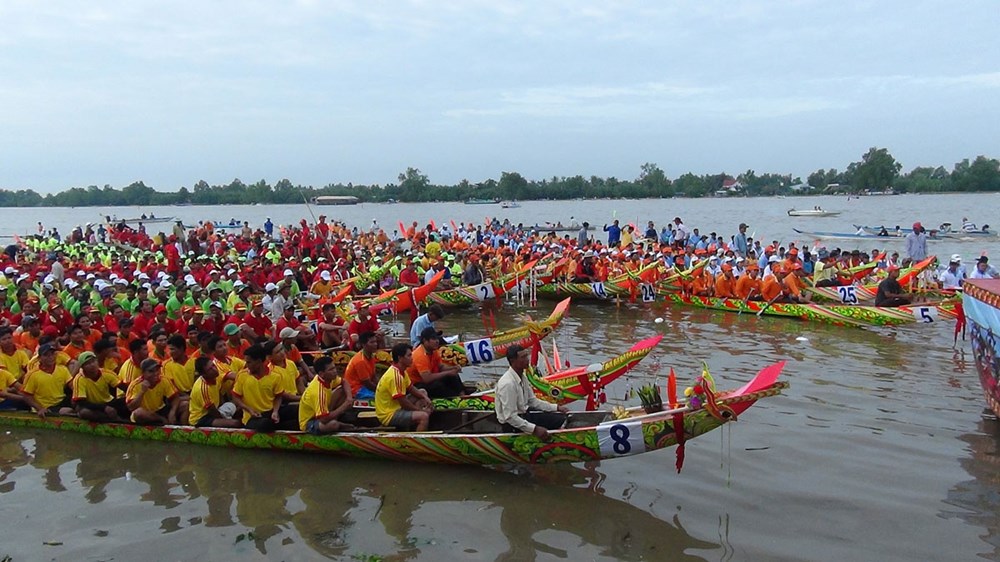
<point>205,408</point>
<point>397,402</point>
<point>424,321</point>
<point>94,391</point>
<point>427,372</point>
<point>258,394</point>
<point>325,399</point>
<point>365,322</point>
<point>890,292</point>
<point>586,272</point>
<point>983,269</point>
<point>153,399</point>
<point>951,277</point>
<point>517,407</point>
<point>725,284</point>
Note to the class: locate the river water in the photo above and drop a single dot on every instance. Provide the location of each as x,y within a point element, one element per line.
<point>879,450</point>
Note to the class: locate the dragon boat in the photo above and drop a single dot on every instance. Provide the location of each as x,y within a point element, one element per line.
<point>859,293</point>
<point>563,386</point>
<point>623,285</point>
<point>856,315</point>
<point>981,307</point>
<point>483,350</point>
<point>471,294</point>
<point>587,436</point>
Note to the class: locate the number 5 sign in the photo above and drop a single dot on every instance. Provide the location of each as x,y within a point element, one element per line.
<point>619,439</point>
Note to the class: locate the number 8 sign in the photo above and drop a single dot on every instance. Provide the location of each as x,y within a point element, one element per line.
<point>619,439</point>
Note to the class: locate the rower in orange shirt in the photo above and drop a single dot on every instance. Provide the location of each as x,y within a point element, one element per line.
<point>702,284</point>
<point>771,288</point>
<point>794,285</point>
<point>748,285</point>
<point>725,284</point>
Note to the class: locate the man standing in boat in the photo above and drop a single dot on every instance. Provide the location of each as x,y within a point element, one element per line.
<point>517,407</point>
<point>916,243</point>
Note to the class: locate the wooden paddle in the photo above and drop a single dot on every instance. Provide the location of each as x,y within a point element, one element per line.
<point>768,305</point>
<point>746,300</point>
<point>467,423</point>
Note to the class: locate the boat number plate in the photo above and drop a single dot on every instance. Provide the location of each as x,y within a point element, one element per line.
<point>598,290</point>
<point>479,351</point>
<point>619,439</point>
<point>848,294</point>
<point>648,292</point>
<point>484,292</point>
<point>925,313</point>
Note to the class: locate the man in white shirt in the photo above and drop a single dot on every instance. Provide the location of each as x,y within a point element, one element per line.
<point>983,270</point>
<point>517,407</point>
<point>951,278</point>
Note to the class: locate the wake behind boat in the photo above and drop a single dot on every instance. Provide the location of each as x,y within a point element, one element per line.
<point>825,235</point>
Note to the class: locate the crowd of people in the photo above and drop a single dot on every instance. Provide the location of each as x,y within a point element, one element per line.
<point>230,327</point>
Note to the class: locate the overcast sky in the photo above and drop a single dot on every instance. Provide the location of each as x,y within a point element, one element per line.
<point>171,92</point>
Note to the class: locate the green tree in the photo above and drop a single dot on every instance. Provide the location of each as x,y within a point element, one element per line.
<point>877,170</point>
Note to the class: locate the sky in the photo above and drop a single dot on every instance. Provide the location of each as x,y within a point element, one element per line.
<point>321,92</point>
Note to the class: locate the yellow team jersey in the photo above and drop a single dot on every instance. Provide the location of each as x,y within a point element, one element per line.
<point>62,359</point>
<point>155,398</point>
<point>100,391</point>
<point>129,372</point>
<point>257,393</point>
<point>391,387</point>
<point>49,389</point>
<point>16,363</point>
<point>178,374</point>
<point>288,373</point>
<point>316,400</point>
<point>204,397</point>
<point>7,379</point>
<point>231,365</point>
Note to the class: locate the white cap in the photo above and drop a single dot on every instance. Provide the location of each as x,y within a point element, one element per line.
<point>289,272</point>
<point>773,259</point>
<point>238,283</point>
<point>164,284</point>
<point>142,276</point>
<point>71,284</point>
<point>10,270</point>
<point>121,281</point>
<point>22,277</point>
<point>81,273</point>
<point>270,287</point>
<point>325,276</point>
<point>49,278</point>
<point>956,257</point>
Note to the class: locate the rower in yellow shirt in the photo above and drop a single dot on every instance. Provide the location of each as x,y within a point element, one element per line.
<point>397,402</point>
<point>206,398</point>
<point>12,358</point>
<point>258,393</point>
<point>94,391</point>
<point>45,386</point>
<point>325,399</point>
<point>174,368</point>
<point>153,399</point>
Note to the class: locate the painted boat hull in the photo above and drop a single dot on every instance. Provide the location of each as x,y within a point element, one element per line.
<point>981,305</point>
<point>566,445</point>
<point>465,296</point>
<point>838,315</point>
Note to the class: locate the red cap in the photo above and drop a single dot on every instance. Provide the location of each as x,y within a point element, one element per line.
<point>917,225</point>
<point>159,308</point>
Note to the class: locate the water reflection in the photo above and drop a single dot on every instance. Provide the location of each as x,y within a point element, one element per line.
<point>978,500</point>
<point>340,507</point>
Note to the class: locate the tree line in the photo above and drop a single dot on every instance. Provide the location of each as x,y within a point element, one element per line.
<point>876,171</point>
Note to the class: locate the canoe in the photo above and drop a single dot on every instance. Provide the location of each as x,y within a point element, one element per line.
<point>567,385</point>
<point>624,285</point>
<point>947,232</point>
<point>402,299</point>
<point>588,436</point>
<point>822,235</point>
<point>837,314</point>
<point>812,213</point>
<point>475,352</point>
<point>981,306</point>
<point>855,294</point>
<point>471,294</point>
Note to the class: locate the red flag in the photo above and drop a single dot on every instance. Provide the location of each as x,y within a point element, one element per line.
<point>672,389</point>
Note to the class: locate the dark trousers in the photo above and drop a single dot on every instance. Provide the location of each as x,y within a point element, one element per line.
<point>548,420</point>
<point>288,416</point>
<point>444,387</point>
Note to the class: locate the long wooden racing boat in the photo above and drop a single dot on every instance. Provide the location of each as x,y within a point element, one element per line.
<point>496,289</point>
<point>567,385</point>
<point>483,350</point>
<point>981,307</point>
<point>587,436</point>
<point>837,314</point>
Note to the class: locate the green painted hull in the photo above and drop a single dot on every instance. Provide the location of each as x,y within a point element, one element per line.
<point>567,445</point>
<point>838,315</point>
